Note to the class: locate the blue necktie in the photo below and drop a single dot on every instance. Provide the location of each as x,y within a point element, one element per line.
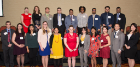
<point>107,19</point>
<point>117,17</point>
<point>114,34</point>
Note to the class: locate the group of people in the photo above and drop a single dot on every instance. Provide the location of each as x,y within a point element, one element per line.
<point>46,35</point>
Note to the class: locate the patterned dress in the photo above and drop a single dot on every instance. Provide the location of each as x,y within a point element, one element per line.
<point>94,46</point>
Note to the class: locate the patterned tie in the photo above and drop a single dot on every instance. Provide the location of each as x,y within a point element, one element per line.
<point>117,17</point>
<point>8,36</point>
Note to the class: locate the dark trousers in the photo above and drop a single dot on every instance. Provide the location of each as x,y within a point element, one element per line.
<point>79,30</point>
<point>61,30</point>
<point>8,57</point>
<point>32,56</point>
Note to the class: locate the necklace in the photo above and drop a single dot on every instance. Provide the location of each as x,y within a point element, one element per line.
<point>58,39</point>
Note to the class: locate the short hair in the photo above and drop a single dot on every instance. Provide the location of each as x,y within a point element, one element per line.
<point>117,24</point>
<point>70,10</point>
<point>118,8</point>
<point>58,8</point>
<point>71,26</point>
<point>82,7</point>
<point>107,7</point>
<point>8,22</point>
<point>47,8</point>
<point>93,8</point>
<point>105,27</point>
<point>26,8</point>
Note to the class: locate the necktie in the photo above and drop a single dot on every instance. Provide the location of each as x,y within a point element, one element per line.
<point>107,19</point>
<point>114,34</point>
<point>8,36</point>
<point>59,20</point>
<point>93,19</point>
<point>117,17</point>
<point>71,19</point>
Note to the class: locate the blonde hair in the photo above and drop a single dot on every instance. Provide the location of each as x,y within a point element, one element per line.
<point>48,29</point>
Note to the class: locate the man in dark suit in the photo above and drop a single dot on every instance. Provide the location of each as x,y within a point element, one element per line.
<point>59,21</point>
<point>107,19</point>
<point>7,45</point>
<point>120,19</point>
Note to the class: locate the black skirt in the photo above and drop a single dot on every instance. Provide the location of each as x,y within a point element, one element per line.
<point>130,53</point>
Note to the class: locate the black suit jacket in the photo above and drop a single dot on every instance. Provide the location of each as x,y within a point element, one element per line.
<point>132,42</point>
<point>4,39</point>
<point>55,21</point>
<point>122,22</point>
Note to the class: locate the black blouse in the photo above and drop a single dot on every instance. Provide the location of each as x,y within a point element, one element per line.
<point>36,17</point>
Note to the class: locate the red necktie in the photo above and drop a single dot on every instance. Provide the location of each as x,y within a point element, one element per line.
<point>8,36</point>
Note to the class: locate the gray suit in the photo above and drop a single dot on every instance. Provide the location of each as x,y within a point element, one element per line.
<point>7,51</point>
<point>68,22</point>
<point>117,43</point>
<point>49,20</point>
<point>81,50</point>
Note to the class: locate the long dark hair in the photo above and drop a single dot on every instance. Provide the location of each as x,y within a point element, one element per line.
<point>35,11</point>
<point>29,31</point>
<point>22,31</point>
<point>136,30</point>
<point>85,30</point>
<point>95,31</point>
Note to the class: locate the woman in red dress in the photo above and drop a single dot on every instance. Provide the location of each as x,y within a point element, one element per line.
<point>26,19</point>
<point>94,46</point>
<point>104,47</point>
<point>71,42</point>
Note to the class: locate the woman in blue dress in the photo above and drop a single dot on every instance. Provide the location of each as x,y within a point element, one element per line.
<point>43,40</point>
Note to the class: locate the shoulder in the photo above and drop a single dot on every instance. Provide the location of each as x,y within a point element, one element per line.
<point>40,30</point>
<point>3,30</point>
<point>97,15</point>
<point>55,14</point>
<point>12,30</point>
<point>111,14</point>
<point>102,13</point>
<point>90,16</point>
<point>88,36</point>
<point>29,14</point>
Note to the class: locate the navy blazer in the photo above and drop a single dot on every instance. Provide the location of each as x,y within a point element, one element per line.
<point>110,20</point>
<point>68,22</point>
<point>97,22</point>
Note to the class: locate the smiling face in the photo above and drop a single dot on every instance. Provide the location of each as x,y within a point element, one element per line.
<point>31,28</point>
<point>36,9</point>
<point>71,12</point>
<point>19,27</point>
<point>118,10</point>
<point>8,25</point>
<point>45,25</point>
<point>56,30</point>
<point>104,30</point>
<point>93,31</point>
<point>117,27</point>
<point>47,10</point>
<point>94,11</point>
<point>83,31</point>
<point>71,29</point>
<point>133,28</point>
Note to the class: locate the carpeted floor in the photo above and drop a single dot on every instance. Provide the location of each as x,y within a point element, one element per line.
<point>123,65</point>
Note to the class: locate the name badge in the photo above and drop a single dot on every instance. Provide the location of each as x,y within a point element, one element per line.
<point>82,42</point>
<point>34,34</point>
<point>92,38</point>
<point>50,18</point>
<point>84,16</point>
<point>62,18</point>
<point>39,14</point>
<point>73,19</point>
<point>5,33</point>
<point>21,38</point>
<point>101,41</point>
<point>116,36</point>
<point>96,18</point>
<point>109,16</point>
<point>29,15</point>
<point>119,18</point>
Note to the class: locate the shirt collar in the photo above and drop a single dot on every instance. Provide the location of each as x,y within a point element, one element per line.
<point>117,31</point>
<point>8,29</point>
<point>118,13</point>
<point>93,14</point>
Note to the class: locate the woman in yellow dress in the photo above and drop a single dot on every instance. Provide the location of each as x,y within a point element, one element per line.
<point>56,47</point>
